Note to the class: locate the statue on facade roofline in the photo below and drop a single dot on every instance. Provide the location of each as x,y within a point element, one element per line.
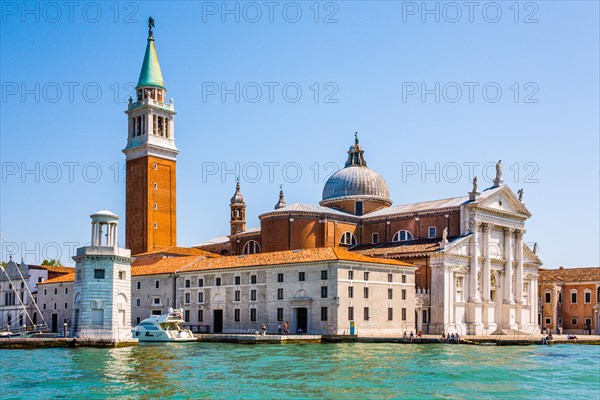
<point>520,193</point>
<point>445,235</point>
<point>535,248</point>
<point>499,169</point>
<point>475,185</point>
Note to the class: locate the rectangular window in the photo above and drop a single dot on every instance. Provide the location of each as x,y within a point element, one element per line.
<point>280,278</point>
<point>323,313</point>
<point>548,297</point>
<point>66,290</point>
<point>403,314</point>
<point>218,281</point>
<point>390,293</point>
<point>375,238</point>
<point>390,277</point>
<point>548,321</point>
<point>55,306</point>
<point>122,275</point>
<point>359,208</point>
<point>200,297</point>
<point>138,320</point>
<point>66,306</point>
<point>200,315</point>
<point>350,275</point>
<point>432,234</point>
<point>236,315</point>
<point>390,314</point>
<point>323,292</point>
<point>187,283</point>
<point>350,291</point>
<point>44,306</point>
<point>403,278</point>
<point>253,279</point>
<point>238,280</point>
<point>98,274</point>
<point>366,276</point>
<point>279,294</point>
<point>350,313</point>
<point>559,297</point>
<point>186,315</point>
<point>157,284</point>
<point>323,275</point>
<point>574,321</point>
<point>138,302</point>
<point>587,297</point>
<point>301,276</point>
<point>573,297</point>
<point>157,300</point>
<point>588,323</point>
<point>45,292</point>
<point>187,298</point>
<point>139,285</point>
<point>55,290</point>
<point>366,313</point>
<point>201,282</point>
<point>253,314</point>
<point>403,294</point>
<point>280,314</point>
<point>236,295</point>
<point>366,292</point>
<point>253,295</point>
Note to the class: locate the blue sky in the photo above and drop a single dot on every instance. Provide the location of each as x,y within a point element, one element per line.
<point>513,82</point>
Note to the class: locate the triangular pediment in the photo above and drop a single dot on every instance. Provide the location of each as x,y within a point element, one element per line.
<point>502,200</point>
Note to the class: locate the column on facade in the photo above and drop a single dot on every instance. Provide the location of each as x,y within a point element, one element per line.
<point>533,298</point>
<point>93,234</point>
<point>508,267</point>
<point>519,272</point>
<point>148,118</point>
<point>485,276</point>
<point>99,234</point>
<point>474,295</point>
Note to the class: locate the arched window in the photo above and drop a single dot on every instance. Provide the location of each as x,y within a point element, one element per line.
<point>402,236</point>
<point>348,239</point>
<point>598,295</point>
<point>251,247</point>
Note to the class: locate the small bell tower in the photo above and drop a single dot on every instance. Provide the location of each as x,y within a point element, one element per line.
<point>238,211</point>
<point>151,219</point>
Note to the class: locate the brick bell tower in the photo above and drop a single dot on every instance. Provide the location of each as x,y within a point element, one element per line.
<point>150,160</point>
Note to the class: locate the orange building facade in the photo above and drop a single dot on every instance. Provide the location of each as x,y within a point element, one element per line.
<point>570,300</point>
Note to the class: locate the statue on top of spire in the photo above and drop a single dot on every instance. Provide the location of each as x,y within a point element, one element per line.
<point>356,137</point>
<point>150,26</point>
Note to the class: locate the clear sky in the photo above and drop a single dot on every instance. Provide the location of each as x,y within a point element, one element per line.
<point>274,91</point>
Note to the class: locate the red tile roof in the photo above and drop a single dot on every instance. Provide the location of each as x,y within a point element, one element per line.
<point>569,275</point>
<point>63,278</point>
<point>183,251</point>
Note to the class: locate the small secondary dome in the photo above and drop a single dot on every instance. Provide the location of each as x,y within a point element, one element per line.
<point>356,181</point>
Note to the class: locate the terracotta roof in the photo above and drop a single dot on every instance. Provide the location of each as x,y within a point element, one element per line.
<point>201,263</point>
<point>183,251</point>
<point>287,257</point>
<point>54,268</point>
<point>400,248</point>
<point>166,265</point>
<point>63,278</point>
<point>569,275</point>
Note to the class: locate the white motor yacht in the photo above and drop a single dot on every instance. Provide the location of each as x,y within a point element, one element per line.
<point>163,328</point>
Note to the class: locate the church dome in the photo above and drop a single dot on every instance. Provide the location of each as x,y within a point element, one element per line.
<point>356,181</point>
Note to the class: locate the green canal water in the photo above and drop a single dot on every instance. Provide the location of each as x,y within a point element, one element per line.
<point>294,371</point>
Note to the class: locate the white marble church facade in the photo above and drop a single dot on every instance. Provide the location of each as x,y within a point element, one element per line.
<point>486,281</point>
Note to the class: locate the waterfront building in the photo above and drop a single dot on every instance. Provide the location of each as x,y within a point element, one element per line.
<point>18,293</point>
<point>101,303</point>
<point>570,299</point>
<point>476,274</point>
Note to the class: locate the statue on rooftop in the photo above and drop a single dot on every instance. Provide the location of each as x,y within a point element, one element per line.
<point>355,137</point>
<point>445,235</point>
<point>499,169</point>
<point>475,185</point>
<point>520,193</point>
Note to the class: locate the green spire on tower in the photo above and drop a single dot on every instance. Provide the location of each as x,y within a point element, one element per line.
<point>151,74</point>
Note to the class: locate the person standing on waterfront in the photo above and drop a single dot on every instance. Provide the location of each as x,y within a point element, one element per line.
<point>263,329</point>
<point>285,328</point>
